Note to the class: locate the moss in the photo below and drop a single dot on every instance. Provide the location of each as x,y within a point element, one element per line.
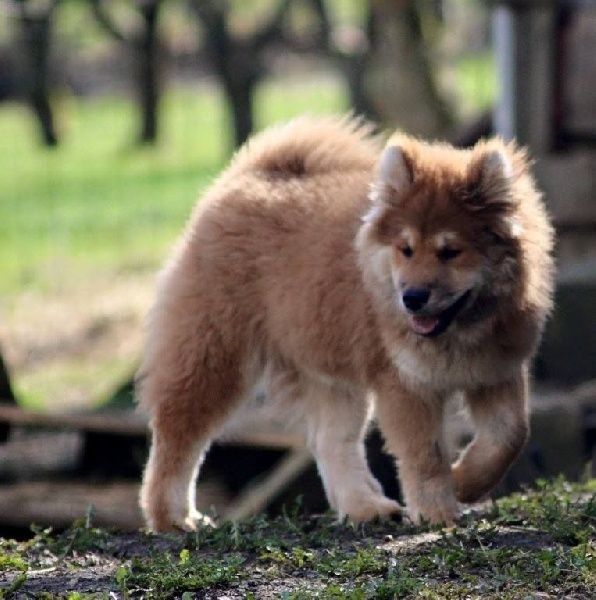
<point>163,575</point>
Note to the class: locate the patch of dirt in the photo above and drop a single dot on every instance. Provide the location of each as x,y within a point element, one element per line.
<point>43,327</point>
<point>57,580</point>
<point>79,333</point>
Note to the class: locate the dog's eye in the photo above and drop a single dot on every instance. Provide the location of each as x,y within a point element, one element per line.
<point>407,251</point>
<point>448,253</point>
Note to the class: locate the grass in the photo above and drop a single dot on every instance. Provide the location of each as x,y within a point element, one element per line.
<point>476,79</point>
<point>539,542</point>
<point>97,195</point>
<point>98,210</point>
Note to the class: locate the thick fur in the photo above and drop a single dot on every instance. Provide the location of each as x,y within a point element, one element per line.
<point>291,272</point>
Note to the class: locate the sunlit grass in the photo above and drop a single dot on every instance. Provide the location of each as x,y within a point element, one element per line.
<point>476,81</point>
<point>97,210</point>
<point>98,200</point>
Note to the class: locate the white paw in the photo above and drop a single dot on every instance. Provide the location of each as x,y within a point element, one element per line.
<point>362,505</point>
<point>193,520</point>
<point>433,501</point>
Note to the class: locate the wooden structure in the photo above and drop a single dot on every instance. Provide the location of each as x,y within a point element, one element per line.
<point>546,57</point>
<point>58,503</point>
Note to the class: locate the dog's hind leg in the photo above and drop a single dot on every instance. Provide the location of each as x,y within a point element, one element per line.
<point>191,381</point>
<point>337,420</point>
<point>500,415</point>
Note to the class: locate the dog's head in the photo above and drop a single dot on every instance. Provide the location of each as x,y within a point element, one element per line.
<point>444,229</point>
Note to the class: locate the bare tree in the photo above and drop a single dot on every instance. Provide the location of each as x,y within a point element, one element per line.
<point>238,60</point>
<point>144,41</point>
<point>35,19</point>
<point>389,64</point>
<point>399,74</point>
<point>6,396</point>
<point>350,50</point>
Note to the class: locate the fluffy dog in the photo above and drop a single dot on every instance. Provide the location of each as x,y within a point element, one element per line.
<point>343,276</point>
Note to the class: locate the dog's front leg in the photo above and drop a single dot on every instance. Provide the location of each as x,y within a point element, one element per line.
<point>412,425</point>
<point>500,415</point>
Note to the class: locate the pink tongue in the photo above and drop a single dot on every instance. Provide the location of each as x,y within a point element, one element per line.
<point>423,325</point>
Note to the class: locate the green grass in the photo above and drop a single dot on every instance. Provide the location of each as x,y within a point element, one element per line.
<point>476,81</point>
<point>98,210</point>
<point>99,202</point>
<point>87,380</point>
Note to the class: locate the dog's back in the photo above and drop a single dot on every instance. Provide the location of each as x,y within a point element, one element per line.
<point>269,253</point>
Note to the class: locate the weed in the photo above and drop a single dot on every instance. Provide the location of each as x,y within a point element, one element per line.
<point>162,575</point>
<point>13,586</point>
<point>556,508</point>
<point>81,537</point>
<point>12,562</point>
<point>366,561</point>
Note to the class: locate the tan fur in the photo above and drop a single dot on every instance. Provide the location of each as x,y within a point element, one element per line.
<point>291,270</point>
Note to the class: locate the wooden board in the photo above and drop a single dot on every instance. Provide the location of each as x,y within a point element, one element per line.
<point>59,503</point>
<point>136,424</point>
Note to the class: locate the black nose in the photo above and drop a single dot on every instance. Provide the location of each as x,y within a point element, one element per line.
<point>415,298</point>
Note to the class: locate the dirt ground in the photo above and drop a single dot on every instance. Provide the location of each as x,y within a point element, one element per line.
<point>69,351</point>
<point>535,545</point>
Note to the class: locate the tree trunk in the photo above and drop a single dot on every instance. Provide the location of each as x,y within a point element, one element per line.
<point>149,89</point>
<point>398,76</point>
<point>145,46</point>
<point>353,62</point>
<point>236,64</point>
<point>6,396</point>
<point>238,60</point>
<point>240,93</point>
<point>36,37</point>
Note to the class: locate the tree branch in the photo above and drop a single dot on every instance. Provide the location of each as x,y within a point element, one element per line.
<point>272,31</point>
<point>104,18</point>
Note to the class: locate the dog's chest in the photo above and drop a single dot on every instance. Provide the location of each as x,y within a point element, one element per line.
<point>457,369</point>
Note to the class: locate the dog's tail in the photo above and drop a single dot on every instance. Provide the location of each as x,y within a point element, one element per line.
<point>310,146</point>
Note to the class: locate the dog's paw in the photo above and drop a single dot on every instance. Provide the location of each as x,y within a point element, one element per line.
<point>163,519</point>
<point>434,502</point>
<point>436,514</point>
<point>193,521</point>
<point>362,507</point>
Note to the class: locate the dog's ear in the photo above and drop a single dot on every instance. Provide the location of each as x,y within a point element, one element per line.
<point>491,180</point>
<point>490,174</point>
<point>394,175</point>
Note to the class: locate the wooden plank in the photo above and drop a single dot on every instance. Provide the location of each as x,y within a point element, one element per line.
<point>59,503</point>
<point>524,34</point>
<point>257,498</point>
<point>136,424</point>
<point>125,423</point>
<point>569,180</point>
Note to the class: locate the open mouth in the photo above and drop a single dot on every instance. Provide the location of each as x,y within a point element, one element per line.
<point>431,326</point>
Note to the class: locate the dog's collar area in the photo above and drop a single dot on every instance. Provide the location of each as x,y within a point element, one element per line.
<point>445,318</point>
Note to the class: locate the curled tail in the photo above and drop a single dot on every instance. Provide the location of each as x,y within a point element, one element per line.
<point>310,146</point>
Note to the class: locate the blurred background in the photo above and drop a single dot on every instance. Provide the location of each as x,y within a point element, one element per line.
<point>116,114</point>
